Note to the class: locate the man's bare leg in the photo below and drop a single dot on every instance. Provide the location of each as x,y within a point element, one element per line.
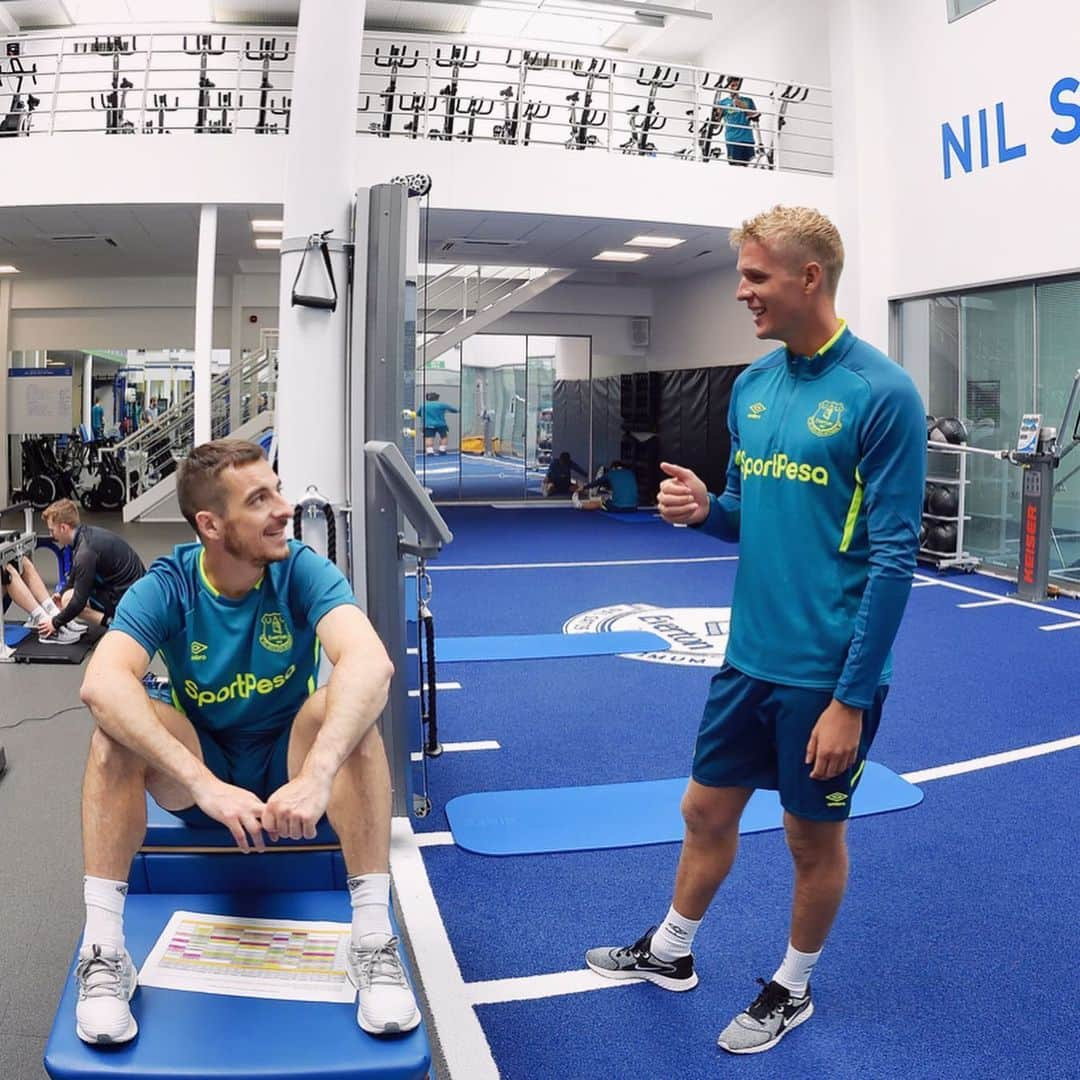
<point>360,797</point>
<point>359,810</point>
<point>19,593</point>
<point>38,589</point>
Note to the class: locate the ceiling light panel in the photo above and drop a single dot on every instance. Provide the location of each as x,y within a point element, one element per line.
<point>9,269</point>
<point>266,225</point>
<point>268,243</point>
<point>620,256</point>
<point>656,241</point>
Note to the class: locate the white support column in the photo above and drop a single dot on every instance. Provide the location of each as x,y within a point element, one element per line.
<point>204,320</point>
<point>88,391</point>
<point>5,360</point>
<point>318,196</point>
<point>236,353</point>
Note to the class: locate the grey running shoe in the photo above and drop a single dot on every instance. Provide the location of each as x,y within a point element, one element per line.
<point>772,1015</point>
<point>105,977</point>
<point>386,1005</point>
<point>63,636</point>
<point>637,962</point>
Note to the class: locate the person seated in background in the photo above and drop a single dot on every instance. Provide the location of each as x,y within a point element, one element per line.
<point>617,487</point>
<point>21,581</point>
<point>103,568</point>
<point>433,417</point>
<point>559,479</point>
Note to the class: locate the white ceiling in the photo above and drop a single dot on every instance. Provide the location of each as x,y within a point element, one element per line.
<point>162,240</point>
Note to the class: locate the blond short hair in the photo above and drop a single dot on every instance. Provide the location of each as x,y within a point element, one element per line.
<point>61,512</point>
<point>801,231</point>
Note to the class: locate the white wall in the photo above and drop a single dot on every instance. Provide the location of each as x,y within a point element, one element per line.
<point>149,313</point>
<point>697,323</point>
<point>910,71</point>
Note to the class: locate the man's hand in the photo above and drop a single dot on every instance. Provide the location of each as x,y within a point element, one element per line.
<point>834,742</point>
<point>239,810</point>
<point>683,498</point>
<point>294,810</point>
<point>46,628</point>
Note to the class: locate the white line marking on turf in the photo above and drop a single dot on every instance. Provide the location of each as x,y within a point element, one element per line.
<point>464,1044</point>
<point>1005,758</point>
<point>994,596</point>
<point>456,747</point>
<point>433,839</point>
<point>984,603</point>
<point>923,584</point>
<point>438,686</point>
<point>1062,625</point>
<point>534,987</point>
<point>604,562</point>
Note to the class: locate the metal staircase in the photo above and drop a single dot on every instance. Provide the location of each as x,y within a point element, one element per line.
<point>150,455</point>
<point>459,301</point>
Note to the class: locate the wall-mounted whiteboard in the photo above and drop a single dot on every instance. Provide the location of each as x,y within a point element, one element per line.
<point>39,401</point>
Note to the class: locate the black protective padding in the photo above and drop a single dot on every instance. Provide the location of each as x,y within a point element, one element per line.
<point>32,650</point>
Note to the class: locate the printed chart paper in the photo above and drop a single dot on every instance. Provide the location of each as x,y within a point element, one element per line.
<point>268,958</point>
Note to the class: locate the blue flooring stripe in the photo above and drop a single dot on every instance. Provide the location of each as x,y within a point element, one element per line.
<point>14,633</point>
<point>535,822</point>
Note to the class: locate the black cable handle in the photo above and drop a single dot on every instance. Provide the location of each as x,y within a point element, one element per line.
<point>331,525</point>
<point>323,303</point>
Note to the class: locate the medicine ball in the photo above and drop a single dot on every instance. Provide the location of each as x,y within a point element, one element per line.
<point>928,493</point>
<point>923,530</point>
<point>942,538</point>
<point>948,429</point>
<point>943,502</point>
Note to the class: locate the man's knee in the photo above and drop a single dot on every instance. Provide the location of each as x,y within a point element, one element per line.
<point>712,812</point>
<point>109,756</point>
<point>815,843</point>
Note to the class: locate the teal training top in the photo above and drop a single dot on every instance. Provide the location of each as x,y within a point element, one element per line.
<point>239,669</point>
<point>824,494</point>
<point>434,413</point>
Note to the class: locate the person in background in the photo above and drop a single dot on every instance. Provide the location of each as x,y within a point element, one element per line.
<point>560,476</point>
<point>150,413</point>
<point>739,112</point>
<point>618,487</point>
<point>433,417</point>
<point>97,421</point>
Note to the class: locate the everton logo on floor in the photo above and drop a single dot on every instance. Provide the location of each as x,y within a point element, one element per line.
<point>697,635</point>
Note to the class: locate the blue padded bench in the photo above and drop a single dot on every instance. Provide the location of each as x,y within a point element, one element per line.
<point>198,1036</point>
<point>217,1037</point>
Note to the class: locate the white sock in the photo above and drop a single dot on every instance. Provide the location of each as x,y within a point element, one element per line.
<point>50,607</point>
<point>370,898</point>
<point>674,937</point>
<point>39,613</point>
<point>104,911</point>
<point>795,971</point>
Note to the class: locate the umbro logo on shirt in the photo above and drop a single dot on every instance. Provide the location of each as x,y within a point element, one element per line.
<point>755,411</point>
<point>198,650</point>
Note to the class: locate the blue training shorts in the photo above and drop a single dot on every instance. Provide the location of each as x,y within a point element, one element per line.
<point>260,767</point>
<point>753,734</point>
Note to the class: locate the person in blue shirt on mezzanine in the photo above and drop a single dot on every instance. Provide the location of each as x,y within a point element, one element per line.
<point>245,739</point>
<point>828,446</point>
<point>739,113</point>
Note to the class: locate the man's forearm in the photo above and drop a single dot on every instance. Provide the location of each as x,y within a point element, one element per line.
<point>355,697</point>
<point>124,713</point>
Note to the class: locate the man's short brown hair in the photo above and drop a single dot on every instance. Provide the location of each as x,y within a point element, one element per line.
<point>198,480</point>
<point>800,231</point>
<point>62,512</point>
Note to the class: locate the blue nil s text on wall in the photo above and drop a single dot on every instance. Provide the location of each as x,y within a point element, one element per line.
<point>991,143</point>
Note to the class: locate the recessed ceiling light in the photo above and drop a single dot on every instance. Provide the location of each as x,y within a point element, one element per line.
<point>268,243</point>
<point>656,241</point>
<point>9,269</point>
<point>620,256</point>
<point>267,225</point>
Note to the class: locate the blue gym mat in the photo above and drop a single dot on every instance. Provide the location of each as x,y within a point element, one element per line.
<point>646,516</point>
<point>15,632</point>
<point>534,822</point>
<point>545,646</point>
<point>215,1037</point>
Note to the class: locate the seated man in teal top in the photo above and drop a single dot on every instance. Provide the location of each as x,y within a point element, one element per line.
<point>433,418</point>
<point>248,740</point>
<point>739,113</point>
<point>618,487</point>
<point>824,494</point>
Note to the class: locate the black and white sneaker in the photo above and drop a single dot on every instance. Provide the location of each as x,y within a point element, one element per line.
<point>772,1015</point>
<point>637,962</point>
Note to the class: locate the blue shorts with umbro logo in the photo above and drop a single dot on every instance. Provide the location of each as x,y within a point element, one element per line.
<point>753,734</point>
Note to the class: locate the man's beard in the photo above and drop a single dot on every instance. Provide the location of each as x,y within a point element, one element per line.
<point>249,553</point>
